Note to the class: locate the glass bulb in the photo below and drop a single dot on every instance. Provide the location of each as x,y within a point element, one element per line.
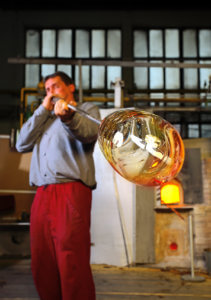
<point>142,147</point>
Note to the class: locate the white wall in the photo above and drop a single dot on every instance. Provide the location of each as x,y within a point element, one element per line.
<point>113,205</point>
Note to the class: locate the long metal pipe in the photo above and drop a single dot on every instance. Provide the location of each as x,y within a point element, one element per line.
<point>190,223</point>
<point>84,113</point>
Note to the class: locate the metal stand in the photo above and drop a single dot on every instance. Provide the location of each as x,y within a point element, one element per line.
<point>118,93</point>
<point>192,277</point>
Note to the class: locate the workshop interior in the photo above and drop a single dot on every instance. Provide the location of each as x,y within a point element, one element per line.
<point>122,56</point>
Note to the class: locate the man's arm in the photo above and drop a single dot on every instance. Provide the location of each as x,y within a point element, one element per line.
<point>32,129</point>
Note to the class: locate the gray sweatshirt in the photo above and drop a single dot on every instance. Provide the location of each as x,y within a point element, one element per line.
<point>62,151</point>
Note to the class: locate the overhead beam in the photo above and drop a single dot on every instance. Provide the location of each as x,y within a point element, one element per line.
<point>89,62</point>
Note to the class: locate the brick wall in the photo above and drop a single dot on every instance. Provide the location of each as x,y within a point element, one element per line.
<point>202,212</point>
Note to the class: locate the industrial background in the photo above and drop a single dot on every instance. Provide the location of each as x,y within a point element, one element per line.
<point>102,46</point>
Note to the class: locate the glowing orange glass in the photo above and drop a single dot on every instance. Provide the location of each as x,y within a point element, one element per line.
<point>170,193</point>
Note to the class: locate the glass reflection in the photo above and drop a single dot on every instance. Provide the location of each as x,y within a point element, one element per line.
<point>142,147</point>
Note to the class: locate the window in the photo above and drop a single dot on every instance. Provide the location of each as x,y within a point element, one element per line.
<point>74,44</point>
<point>174,45</point>
<point>171,45</point>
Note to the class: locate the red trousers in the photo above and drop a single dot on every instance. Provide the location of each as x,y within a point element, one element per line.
<point>60,242</point>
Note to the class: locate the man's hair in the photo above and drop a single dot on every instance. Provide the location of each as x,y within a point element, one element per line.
<point>64,77</point>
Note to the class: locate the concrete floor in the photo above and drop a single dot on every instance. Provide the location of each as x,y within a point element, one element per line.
<point>112,283</point>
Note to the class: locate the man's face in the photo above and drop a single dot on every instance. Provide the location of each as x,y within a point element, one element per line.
<point>56,87</point>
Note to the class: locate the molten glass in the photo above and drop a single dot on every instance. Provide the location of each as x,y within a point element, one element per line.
<point>142,147</point>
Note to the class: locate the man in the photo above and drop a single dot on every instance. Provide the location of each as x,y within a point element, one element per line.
<point>62,168</point>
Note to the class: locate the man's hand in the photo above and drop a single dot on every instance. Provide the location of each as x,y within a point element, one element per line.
<point>47,102</point>
<point>62,110</point>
